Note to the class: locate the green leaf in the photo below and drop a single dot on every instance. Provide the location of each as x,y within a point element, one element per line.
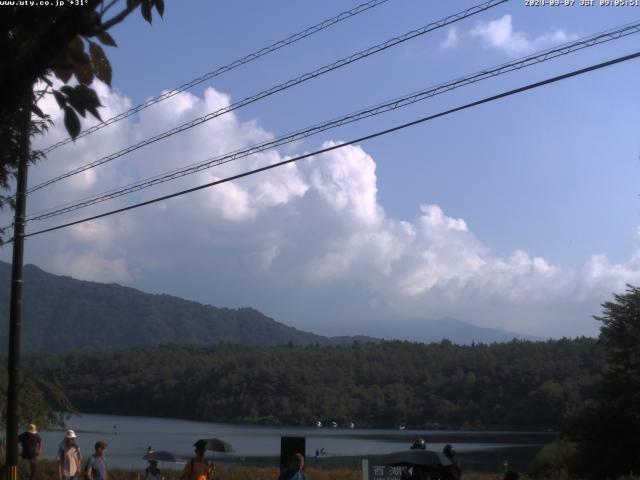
<point>62,101</point>
<point>146,10</point>
<point>94,111</point>
<point>76,44</point>
<point>106,39</point>
<point>36,110</point>
<point>71,122</point>
<point>78,57</point>
<point>101,65</point>
<point>63,74</point>
<point>84,73</point>
<point>76,102</point>
<point>80,61</point>
<point>88,98</point>
<point>159,6</point>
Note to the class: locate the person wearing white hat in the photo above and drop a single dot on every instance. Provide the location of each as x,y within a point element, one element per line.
<point>31,444</point>
<point>69,458</point>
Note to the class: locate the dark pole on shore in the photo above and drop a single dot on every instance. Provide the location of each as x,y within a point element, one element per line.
<point>15,315</point>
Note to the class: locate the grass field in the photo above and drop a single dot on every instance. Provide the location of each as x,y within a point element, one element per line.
<point>47,471</point>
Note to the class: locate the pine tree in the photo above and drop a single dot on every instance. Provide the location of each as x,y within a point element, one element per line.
<point>608,432</point>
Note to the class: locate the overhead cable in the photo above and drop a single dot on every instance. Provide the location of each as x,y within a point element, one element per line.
<point>530,86</point>
<point>390,105</point>
<point>278,88</point>
<point>220,70</point>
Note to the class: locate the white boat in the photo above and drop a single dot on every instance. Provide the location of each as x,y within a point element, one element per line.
<point>318,423</point>
<point>402,427</point>
<point>350,425</point>
<point>334,424</point>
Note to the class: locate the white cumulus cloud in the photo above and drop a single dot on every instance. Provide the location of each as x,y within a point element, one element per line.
<point>312,234</point>
<point>452,39</point>
<point>500,34</point>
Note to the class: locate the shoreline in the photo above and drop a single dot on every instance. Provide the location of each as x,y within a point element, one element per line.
<point>435,429</point>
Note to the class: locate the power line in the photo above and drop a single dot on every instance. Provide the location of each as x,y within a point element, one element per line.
<point>278,88</point>
<point>530,86</point>
<point>520,63</point>
<point>226,68</point>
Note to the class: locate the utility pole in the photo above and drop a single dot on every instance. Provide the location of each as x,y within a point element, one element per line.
<point>15,315</point>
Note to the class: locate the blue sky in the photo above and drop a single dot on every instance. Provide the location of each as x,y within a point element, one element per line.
<point>519,214</point>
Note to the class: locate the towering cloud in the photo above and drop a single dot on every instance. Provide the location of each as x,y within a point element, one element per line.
<point>304,242</point>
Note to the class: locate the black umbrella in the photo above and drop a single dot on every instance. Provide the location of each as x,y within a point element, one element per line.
<point>216,445</point>
<point>162,456</point>
<point>408,458</point>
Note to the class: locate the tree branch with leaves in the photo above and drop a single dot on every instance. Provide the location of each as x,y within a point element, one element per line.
<point>65,42</point>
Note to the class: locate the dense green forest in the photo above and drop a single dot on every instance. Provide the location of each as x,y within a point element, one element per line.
<point>518,385</point>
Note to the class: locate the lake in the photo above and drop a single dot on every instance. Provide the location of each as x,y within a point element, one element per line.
<point>129,438</point>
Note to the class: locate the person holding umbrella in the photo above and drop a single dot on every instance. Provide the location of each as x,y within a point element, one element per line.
<point>198,468</point>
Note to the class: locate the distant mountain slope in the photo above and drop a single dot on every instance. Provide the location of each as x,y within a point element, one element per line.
<point>426,331</point>
<point>62,314</point>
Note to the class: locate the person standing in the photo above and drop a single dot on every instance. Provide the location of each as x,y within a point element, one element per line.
<point>198,468</point>
<point>31,444</point>
<point>296,470</point>
<point>152,472</point>
<point>69,458</point>
<point>96,468</point>
<point>453,471</point>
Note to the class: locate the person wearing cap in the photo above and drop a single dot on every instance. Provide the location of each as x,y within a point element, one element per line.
<point>96,468</point>
<point>198,468</point>
<point>453,471</point>
<point>419,444</point>
<point>69,458</point>
<point>31,444</point>
<point>152,472</point>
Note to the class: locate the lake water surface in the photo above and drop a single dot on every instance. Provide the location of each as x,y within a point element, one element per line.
<point>129,438</point>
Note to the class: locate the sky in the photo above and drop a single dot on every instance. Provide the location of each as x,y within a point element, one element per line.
<point>519,214</point>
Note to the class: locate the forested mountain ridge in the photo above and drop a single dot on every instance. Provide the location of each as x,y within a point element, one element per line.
<point>62,314</point>
<point>515,385</point>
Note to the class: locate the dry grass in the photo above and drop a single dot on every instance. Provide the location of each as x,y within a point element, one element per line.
<point>47,471</point>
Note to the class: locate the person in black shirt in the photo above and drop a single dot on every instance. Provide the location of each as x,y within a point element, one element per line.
<point>31,444</point>
<point>453,471</point>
